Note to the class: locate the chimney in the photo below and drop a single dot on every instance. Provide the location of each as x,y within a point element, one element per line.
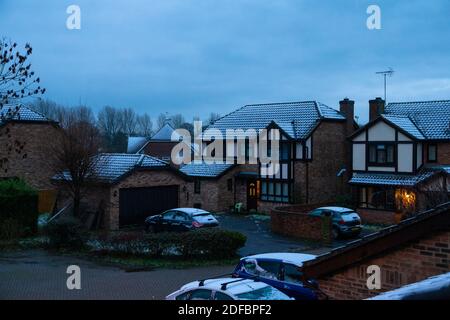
<point>376,108</point>
<point>347,107</point>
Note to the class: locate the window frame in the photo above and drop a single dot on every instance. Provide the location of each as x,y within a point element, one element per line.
<point>435,153</point>
<point>197,186</point>
<point>376,162</point>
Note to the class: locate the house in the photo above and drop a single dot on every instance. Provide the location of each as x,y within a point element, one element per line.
<point>411,251</point>
<point>24,134</point>
<point>160,145</point>
<point>313,156</point>
<point>126,188</point>
<point>401,159</point>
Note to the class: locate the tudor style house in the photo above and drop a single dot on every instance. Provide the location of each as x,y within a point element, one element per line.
<point>313,158</point>
<point>401,158</point>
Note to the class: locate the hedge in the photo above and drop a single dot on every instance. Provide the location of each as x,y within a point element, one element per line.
<point>204,243</point>
<point>18,209</point>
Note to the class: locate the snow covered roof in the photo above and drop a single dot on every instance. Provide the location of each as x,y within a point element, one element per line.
<point>164,133</point>
<point>296,119</point>
<point>437,287</point>
<point>110,167</point>
<point>20,113</point>
<point>391,179</point>
<point>430,119</point>
<point>135,144</point>
<point>205,170</point>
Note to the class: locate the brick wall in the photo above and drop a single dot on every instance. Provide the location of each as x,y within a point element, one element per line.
<point>376,216</point>
<point>443,150</point>
<point>294,222</point>
<point>317,181</point>
<point>159,149</point>
<point>32,163</point>
<point>410,263</point>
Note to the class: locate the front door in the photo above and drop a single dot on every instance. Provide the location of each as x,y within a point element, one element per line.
<point>252,197</point>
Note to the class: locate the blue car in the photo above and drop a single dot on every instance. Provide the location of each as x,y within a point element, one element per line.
<point>282,271</point>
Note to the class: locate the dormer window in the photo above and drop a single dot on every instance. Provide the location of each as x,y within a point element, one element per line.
<point>381,154</point>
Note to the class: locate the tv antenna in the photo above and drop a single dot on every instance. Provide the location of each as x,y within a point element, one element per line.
<point>389,73</point>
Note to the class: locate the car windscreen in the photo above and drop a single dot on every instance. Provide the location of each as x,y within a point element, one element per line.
<point>266,293</point>
<point>347,212</point>
<point>199,214</point>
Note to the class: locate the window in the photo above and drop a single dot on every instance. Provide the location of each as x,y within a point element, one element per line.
<point>381,154</point>
<point>265,269</point>
<point>197,186</point>
<point>230,184</point>
<point>292,274</point>
<point>275,191</point>
<point>221,296</point>
<point>169,215</point>
<point>200,294</point>
<point>377,198</point>
<point>432,153</point>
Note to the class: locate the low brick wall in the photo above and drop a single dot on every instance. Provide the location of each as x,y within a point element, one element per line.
<point>294,221</point>
<point>376,216</point>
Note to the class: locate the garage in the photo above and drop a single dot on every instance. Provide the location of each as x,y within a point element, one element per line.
<point>135,204</point>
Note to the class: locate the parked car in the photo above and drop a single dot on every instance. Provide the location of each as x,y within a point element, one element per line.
<point>346,222</point>
<point>227,289</point>
<point>180,219</point>
<point>282,271</point>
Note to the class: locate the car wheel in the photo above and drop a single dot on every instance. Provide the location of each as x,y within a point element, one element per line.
<point>335,233</point>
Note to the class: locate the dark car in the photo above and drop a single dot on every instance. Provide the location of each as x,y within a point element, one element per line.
<point>346,222</point>
<point>281,271</point>
<point>180,219</point>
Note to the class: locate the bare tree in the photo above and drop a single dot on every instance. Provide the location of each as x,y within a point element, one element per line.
<point>74,156</point>
<point>177,120</point>
<point>110,120</point>
<point>162,119</point>
<point>129,121</point>
<point>212,118</point>
<point>145,125</point>
<point>17,80</point>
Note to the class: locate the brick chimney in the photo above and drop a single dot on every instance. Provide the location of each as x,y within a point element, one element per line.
<point>376,107</point>
<point>347,107</point>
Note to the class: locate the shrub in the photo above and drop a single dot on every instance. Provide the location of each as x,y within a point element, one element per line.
<point>65,235</point>
<point>18,209</point>
<point>203,243</point>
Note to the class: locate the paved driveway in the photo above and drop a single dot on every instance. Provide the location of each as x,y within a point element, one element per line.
<point>260,238</point>
<point>40,275</point>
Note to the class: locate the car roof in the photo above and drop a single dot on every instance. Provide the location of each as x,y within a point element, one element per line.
<point>289,257</point>
<point>234,288</point>
<point>189,211</point>
<point>336,209</point>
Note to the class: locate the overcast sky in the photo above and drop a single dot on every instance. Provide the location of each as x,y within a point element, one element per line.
<point>202,56</point>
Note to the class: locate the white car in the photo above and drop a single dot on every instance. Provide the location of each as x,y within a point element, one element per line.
<point>227,289</point>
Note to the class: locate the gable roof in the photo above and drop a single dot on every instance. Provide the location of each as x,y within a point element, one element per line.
<point>135,144</point>
<point>205,170</point>
<point>111,167</point>
<point>164,133</point>
<point>296,119</point>
<point>20,112</point>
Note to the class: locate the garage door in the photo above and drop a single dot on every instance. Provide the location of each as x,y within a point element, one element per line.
<point>135,204</point>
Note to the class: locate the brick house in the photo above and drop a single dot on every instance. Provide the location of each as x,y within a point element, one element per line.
<point>160,145</point>
<point>313,154</point>
<point>411,251</point>
<point>129,187</point>
<point>401,159</point>
<point>23,137</point>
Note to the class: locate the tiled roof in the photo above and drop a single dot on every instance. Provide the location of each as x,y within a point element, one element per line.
<point>135,144</point>
<point>432,118</point>
<point>112,166</point>
<point>391,179</point>
<point>406,124</point>
<point>297,119</point>
<point>205,170</point>
<point>164,133</point>
<point>20,113</point>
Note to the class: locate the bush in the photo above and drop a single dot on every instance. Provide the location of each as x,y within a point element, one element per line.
<point>65,235</point>
<point>203,243</point>
<point>18,209</point>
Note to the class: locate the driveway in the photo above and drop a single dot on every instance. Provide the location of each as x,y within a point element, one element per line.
<point>40,275</point>
<point>260,238</point>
